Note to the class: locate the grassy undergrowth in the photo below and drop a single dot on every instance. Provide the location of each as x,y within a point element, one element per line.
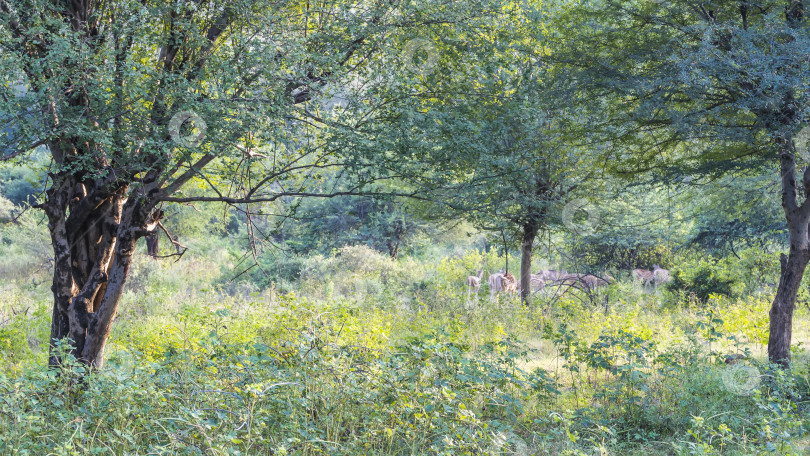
<point>392,358</point>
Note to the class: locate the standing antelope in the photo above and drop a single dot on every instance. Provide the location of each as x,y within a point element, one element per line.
<point>551,275</point>
<point>501,282</point>
<point>660,275</point>
<point>644,276</point>
<point>510,283</point>
<point>537,282</point>
<point>601,281</point>
<point>569,279</point>
<point>495,284</point>
<point>589,281</point>
<point>474,283</point>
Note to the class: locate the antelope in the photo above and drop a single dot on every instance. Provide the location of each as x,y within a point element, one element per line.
<point>607,280</point>
<point>510,283</point>
<point>643,275</point>
<point>660,275</point>
<point>495,284</point>
<point>501,282</point>
<point>537,282</point>
<point>591,281</point>
<point>587,280</point>
<point>551,275</point>
<point>474,283</point>
<point>568,279</point>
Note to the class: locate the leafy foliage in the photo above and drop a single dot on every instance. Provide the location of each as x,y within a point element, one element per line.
<point>703,284</point>
<point>323,225</point>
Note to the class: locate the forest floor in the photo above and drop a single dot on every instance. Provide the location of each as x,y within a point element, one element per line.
<point>355,362</point>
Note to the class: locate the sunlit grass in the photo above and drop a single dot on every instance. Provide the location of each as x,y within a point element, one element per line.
<point>182,329</point>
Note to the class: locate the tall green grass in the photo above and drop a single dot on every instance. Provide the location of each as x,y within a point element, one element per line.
<point>363,354</point>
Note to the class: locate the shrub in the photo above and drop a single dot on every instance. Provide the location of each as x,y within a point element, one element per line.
<point>701,283</point>
<point>6,209</point>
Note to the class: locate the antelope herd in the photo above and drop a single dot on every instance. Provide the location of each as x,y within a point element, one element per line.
<point>504,282</point>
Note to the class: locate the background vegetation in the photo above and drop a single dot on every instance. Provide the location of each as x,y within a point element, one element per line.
<point>332,346</point>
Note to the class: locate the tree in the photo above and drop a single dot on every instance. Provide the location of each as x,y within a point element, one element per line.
<point>639,222</point>
<point>739,211</point>
<point>711,87</point>
<point>528,173</point>
<point>485,136</point>
<point>495,148</point>
<point>134,100</point>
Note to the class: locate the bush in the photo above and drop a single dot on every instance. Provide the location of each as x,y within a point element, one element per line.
<point>6,208</point>
<point>20,185</point>
<point>600,253</point>
<point>372,355</point>
<point>701,283</point>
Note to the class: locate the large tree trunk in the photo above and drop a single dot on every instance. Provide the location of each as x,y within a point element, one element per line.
<point>793,265</point>
<point>781,315</point>
<point>526,247</point>
<point>93,232</point>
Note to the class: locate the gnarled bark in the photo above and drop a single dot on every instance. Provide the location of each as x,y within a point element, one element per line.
<point>93,229</point>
